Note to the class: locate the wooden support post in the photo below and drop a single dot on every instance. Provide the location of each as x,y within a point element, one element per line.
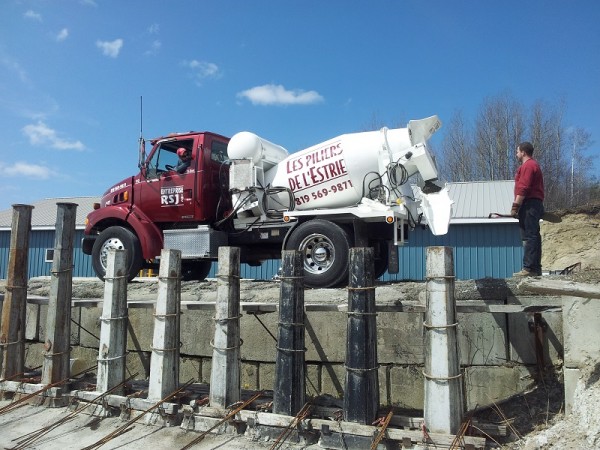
<point>444,402</point>
<point>225,371</point>
<point>12,327</point>
<point>113,324</point>
<point>164,362</point>
<point>361,391</point>
<point>58,323</point>
<point>289,390</point>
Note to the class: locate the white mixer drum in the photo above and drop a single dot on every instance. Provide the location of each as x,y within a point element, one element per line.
<point>332,174</point>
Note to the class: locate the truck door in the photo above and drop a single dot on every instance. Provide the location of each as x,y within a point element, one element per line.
<point>213,200</point>
<point>165,195</point>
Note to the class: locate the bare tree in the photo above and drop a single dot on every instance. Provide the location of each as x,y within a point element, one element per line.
<point>457,148</point>
<point>486,150</point>
<point>580,175</point>
<point>548,138</point>
<point>499,129</point>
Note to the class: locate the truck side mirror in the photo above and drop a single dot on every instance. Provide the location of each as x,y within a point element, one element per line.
<point>142,154</point>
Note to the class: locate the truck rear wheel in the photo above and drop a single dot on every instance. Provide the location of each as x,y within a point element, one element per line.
<point>117,238</point>
<point>325,247</point>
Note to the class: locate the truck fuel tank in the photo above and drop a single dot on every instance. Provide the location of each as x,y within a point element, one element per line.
<point>246,145</point>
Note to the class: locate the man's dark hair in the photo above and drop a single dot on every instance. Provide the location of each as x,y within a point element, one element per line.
<point>526,147</point>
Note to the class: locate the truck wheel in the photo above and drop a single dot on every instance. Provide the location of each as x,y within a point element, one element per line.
<point>325,247</point>
<point>195,270</point>
<point>117,238</point>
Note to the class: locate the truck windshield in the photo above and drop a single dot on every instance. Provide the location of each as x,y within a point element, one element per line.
<point>164,158</point>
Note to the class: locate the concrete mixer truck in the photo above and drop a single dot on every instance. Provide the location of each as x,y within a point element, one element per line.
<point>356,189</point>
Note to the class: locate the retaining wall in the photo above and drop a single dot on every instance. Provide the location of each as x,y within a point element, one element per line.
<point>497,350</point>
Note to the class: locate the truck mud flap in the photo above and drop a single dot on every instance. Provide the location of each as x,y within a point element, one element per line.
<point>87,244</point>
<point>393,262</point>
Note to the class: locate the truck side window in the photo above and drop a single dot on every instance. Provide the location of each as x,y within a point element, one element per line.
<point>218,151</point>
<point>165,157</point>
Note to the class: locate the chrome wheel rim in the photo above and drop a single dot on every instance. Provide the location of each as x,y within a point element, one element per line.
<point>319,253</point>
<point>110,244</point>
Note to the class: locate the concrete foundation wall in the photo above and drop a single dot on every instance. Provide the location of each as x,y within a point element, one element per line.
<point>582,343</point>
<point>497,350</point>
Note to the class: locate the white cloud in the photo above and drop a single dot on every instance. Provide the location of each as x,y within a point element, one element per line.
<point>154,28</point>
<point>41,134</point>
<point>271,94</point>
<point>30,14</point>
<point>110,48</point>
<point>23,169</point>
<point>202,69</point>
<point>62,35</point>
<point>89,3</point>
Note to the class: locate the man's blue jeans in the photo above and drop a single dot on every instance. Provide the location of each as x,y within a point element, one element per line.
<point>530,214</point>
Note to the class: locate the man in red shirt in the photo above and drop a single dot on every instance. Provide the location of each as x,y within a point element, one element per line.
<point>528,207</point>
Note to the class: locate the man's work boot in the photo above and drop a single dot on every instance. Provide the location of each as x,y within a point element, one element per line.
<point>526,273</point>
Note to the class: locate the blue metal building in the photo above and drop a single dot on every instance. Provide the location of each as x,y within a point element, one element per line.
<point>483,247</point>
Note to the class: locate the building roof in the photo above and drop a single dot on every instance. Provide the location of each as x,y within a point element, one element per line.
<point>43,215</point>
<point>475,200</point>
<point>473,203</point>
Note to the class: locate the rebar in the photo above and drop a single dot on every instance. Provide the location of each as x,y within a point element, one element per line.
<point>302,414</point>
<point>381,434</point>
<point>459,437</point>
<point>127,427</point>
<point>30,438</point>
<point>22,400</point>
<point>223,420</point>
<point>507,421</point>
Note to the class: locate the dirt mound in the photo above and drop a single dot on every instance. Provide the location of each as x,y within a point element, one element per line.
<point>580,429</point>
<point>573,241</point>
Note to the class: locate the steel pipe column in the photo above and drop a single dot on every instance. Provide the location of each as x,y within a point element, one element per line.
<point>361,392</point>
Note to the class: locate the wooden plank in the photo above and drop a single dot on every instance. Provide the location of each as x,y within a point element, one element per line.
<point>321,307</point>
<point>560,287</point>
<point>397,420</point>
<point>118,401</point>
<point>535,300</point>
<point>462,306</point>
<point>278,420</point>
<point>30,388</point>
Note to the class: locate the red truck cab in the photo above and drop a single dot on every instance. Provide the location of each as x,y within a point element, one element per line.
<point>133,213</point>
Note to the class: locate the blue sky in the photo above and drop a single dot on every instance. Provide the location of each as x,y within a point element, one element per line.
<point>294,72</point>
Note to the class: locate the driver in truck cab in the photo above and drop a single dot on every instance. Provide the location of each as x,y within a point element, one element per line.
<point>185,159</point>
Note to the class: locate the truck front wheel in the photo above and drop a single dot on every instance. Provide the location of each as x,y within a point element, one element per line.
<point>117,238</point>
<point>325,248</point>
